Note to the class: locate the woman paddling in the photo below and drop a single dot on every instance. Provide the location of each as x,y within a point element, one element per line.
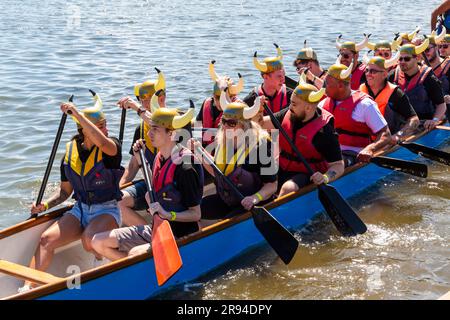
<point>91,170</point>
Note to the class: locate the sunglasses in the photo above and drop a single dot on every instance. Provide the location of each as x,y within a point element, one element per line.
<point>406,59</point>
<point>383,54</point>
<point>346,55</point>
<point>229,122</point>
<point>443,46</point>
<point>372,71</point>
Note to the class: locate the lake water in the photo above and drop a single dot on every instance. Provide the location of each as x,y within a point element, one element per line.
<point>52,49</point>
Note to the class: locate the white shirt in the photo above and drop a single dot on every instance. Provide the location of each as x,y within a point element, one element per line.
<point>366,111</point>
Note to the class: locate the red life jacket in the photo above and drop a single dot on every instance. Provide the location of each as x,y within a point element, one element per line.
<point>351,133</point>
<point>209,121</point>
<point>418,79</point>
<point>303,141</point>
<point>441,72</point>
<point>357,75</point>
<point>279,102</point>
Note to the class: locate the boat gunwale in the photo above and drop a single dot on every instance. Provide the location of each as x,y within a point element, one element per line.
<point>117,265</point>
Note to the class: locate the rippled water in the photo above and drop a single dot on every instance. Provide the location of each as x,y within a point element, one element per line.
<point>51,49</point>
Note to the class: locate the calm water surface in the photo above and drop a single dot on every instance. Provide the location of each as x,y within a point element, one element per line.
<point>51,49</point>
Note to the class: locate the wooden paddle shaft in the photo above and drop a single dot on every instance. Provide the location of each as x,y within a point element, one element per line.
<point>443,128</point>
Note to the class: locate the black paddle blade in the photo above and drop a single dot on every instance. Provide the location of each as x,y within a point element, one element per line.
<point>427,152</point>
<point>290,83</point>
<point>340,212</point>
<point>279,238</point>
<point>410,167</point>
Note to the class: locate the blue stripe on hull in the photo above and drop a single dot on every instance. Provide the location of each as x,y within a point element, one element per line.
<point>139,281</point>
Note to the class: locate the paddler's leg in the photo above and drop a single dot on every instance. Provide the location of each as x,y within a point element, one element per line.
<point>213,210</point>
<point>62,232</point>
<point>292,182</point>
<point>133,199</point>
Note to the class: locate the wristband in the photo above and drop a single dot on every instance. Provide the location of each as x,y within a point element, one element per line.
<point>259,196</point>
<point>45,205</point>
<point>139,111</point>
<point>325,177</point>
<point>174,215</point>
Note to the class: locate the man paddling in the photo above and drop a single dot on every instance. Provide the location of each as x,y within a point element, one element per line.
<point>384,49</point>
<point>312,131</point>
<point>348,55</point>
<point>273,90</point>
<point>393,104</point>
<point>308,63</point>
<point>421,86</point>
<point>361,127</point>
<point>177,183</point>
<point>211,111</point>
<point>133,196</point>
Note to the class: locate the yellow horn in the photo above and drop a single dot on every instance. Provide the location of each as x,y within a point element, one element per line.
<point>421,48</point>
<point>250,112</point>
<point>392,61</point>
<point>236,89</point>
<point>346,73</point>
<point>136,89</point>
<point>362,44</point>
<point>371,46</point>
<point>302,79</point>
<point>183,120</point>
<point>154,104</point>
<point>396,43</point>
<point>413,34</point>
<point>316,96</point>
<point>212,72</point>
<point>260,66</point>
<point>223,100</point>
<point>279,52</point>
<point>161,84</point>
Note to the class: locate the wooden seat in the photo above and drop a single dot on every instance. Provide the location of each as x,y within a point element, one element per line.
<point>26,273</point>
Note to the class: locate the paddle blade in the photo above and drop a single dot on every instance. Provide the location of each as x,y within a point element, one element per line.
<point>340,212</point>
<point>427,152</point>
<point>279,238</point>
<point>165,250</point>
<point>410,167</point>
<point>290,83</point>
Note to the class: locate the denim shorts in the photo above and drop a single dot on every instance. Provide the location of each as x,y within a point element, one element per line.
<point>138,191</point>
<point>85,213</point>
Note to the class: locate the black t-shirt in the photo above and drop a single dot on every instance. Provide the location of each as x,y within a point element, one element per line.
<point>432,85</point>
<point>250,98</point>
<point>111,162</point>
<point>325,141</point>
<point>215,110</point>
<point>188,182</point>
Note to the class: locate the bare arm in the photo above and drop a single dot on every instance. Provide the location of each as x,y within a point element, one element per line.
<point>383,139</point>
<point>335,170</point>
<point>130,171</point>
<point>193,214</point>
<point>64,192</point>
<point>408,129</point>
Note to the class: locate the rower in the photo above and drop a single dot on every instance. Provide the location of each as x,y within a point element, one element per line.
<point>273,89</point>
<point>444,47</point>
<point>211,110</point>
<point>348,55</point>
<point>393,104</point>
<point>91,170</point>
<point>307,62</point>
<point>133,196</point>
<point>384,49</point>
<point>420,85</point>
<point>177,184</point>
<point>407,38</point>
<point>361,127</point>
<point>440,66</point>
<point>244,154</point>
<point>312,131</point>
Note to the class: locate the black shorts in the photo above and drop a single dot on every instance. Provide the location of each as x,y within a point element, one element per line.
<point>299,178</point>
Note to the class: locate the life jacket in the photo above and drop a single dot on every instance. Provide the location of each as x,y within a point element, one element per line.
<point>247,182</point>
<point>279,102</point>
<point>441,73</point>
<point>166,192</point>
<point>357,74</point>
<point>150,150</point>
<point>92,182</point>
<point>209,121</point>
<point>382,100</point>
<point>351,133</point>
<point>416,92</point>
<point>303,141</point>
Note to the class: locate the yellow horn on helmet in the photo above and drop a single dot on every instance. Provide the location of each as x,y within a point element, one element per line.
<point>279,51</point>
<point>223,99</point>
<point>250,112</point>
<point>316,96</point>
<point>371,45</point>
<point>212,72</point>
<point>421,48</point>
<point>161,83</point>
<point>392,61</point>
<point>261,66</point>
<point>346,73</point>
<point>396,43</point>
<point>136,90</point>
<point>236,89</point>
<point>183,120</point>
<point>363,43</point>
<point>338,43</point>
<point>413,34</point>
<point>154,104</point>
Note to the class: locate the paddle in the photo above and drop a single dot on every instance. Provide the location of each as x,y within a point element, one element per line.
<point>428,152</point>
<point>164,246</point>
<point>410,167</point>
<point>51,159</point>
<point>290,83</point>
<point>122,124</point>
<point>340,212</point>
<point>443,128</point>
<point>279,238</point>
